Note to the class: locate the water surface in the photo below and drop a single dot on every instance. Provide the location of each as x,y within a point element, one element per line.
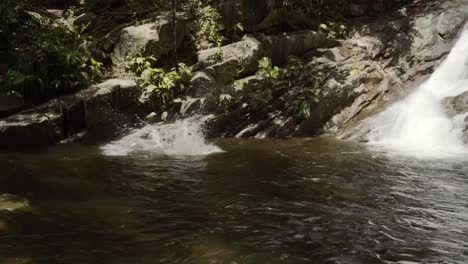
<point>270,201</point>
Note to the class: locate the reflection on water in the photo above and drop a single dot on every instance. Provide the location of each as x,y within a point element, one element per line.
<point>291,201</point>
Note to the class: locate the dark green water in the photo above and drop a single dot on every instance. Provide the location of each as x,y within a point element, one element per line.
<point>293,201</point>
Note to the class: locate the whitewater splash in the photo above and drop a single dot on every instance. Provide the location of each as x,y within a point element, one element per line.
<point>419,125</point>
<point>182,138</point>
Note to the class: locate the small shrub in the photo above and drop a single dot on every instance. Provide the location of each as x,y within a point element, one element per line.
<point>267,70</point>
<point>333,30</point>
<point>208,24</point>
<point>137,63</point>
<point>160,83</point>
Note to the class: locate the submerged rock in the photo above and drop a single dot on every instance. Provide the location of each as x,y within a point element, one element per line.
<point>10,202</point>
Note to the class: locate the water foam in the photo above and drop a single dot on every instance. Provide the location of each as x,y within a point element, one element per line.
<point>182,138</point>
<point>419,125</point>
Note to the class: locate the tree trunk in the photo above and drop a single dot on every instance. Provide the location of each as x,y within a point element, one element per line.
<point>174,30</point>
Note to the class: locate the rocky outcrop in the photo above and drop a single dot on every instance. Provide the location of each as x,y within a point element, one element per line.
<point>154,38</point>
<point>226,63</point>
<point>95,109</point>
<point>408,49</point>
<point>261,15</point>
<point>457,108</point>
<point>379,63</point>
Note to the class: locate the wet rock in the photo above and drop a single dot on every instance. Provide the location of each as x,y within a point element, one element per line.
<point>405,51</point>
<point>151,39</point>
<point>36,126</point>
<point>152,118</point>
<point>10,202</point>
<point>164,116</point>
<point>203,83</point>
<point>102,100</point>
<point>190,106</point>
<point>456,105</point>
<point>94,109</point>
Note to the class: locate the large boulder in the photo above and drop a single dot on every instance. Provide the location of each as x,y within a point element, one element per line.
<point>241,58</point>
<point>39,125</point>
<point>99,109</point>
<point>154,38</point>
<point>456,105</point>
<point>228,62</point>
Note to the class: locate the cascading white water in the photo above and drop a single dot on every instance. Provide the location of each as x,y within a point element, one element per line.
<point>184,137</point>
<point>418,125</point>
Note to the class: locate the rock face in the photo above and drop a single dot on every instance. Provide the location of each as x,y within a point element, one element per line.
<point>408,52</point>
<point>149,39</point>
<point>379,63</point>
<point>225,64</point>
<point>94,109</point>
<point>261,15</point>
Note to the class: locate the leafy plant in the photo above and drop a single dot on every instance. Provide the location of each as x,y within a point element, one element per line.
<point>60,59</point>
<point>137,63</point>
<point>208,24</point>
<point>333,30</point>
<point>267,70</point>
<point>355,70</point>
<point>166,85</point>
<point>309,96</point>
<point>158,82</point>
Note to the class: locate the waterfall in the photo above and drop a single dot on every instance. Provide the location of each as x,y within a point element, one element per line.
<point>418,125</point>
<point>184,137</point>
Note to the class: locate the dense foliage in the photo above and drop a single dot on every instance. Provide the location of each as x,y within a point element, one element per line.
<point>208,24</point>
<point>159,83</point>
<point>47,56</point>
